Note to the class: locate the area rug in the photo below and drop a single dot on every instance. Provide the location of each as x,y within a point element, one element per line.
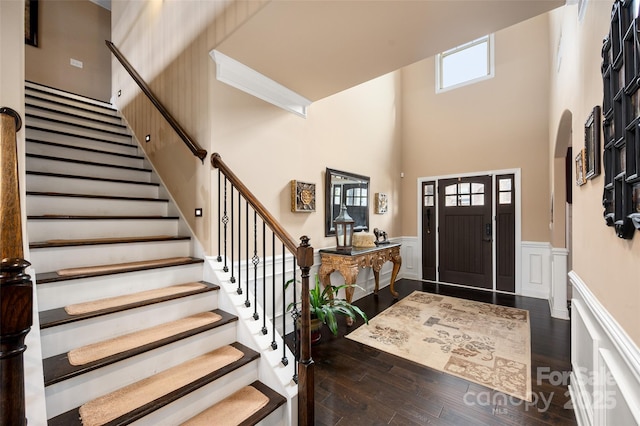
<point>480,342</point>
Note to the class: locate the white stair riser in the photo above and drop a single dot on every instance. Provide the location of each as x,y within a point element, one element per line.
<point>78,169</point>
<point>89,187</point>
<point>201,399</point>
<point>77,131</point>
<point>72,393</point>
<point>41,135</point>
<point>68,98</point>
<point>79,120</point>
<point>59,294</point>
<point>45,229</point>
<point>56,258</point>
<point>279,417</point>
<point>77,154</point>
<point>63,338</point>
<point>38,205</point>
<point>106,116</point>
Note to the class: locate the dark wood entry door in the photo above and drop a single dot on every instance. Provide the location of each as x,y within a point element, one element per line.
<point>465,234</point>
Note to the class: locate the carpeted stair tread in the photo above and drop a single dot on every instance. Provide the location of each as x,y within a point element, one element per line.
<point>99,270</point>
<point>58,368</point>
<point>134,401</point>
<point>117,267</point>
<point>58,316</point>
<point>132,299</point>
<point>96,351</point>
<point>99,241</point>
<point>246,406</point>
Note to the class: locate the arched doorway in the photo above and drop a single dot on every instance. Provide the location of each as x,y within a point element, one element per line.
<point>561,215</point>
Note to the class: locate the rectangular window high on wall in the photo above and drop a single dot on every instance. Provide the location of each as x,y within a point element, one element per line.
<point>465,64</point>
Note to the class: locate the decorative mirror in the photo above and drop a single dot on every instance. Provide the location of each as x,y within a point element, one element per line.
<point>349,189</point>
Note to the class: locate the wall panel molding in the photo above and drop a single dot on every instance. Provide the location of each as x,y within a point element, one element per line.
<point>605,377</point>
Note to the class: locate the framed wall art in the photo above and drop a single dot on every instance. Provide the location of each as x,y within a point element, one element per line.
<point>620,122</point>
<point>580,169</point>
<point>381,203</point>
<point>303,196</point>
<point>31,22</point>
<point>592,143</point>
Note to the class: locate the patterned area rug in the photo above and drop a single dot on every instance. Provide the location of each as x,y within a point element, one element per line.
<point>479,342</point>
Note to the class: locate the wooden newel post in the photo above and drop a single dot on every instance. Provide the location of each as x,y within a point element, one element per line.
<point>305,367</point>
<point>16,289</point>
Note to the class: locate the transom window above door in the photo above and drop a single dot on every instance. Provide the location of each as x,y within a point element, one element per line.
<point>464,194</point>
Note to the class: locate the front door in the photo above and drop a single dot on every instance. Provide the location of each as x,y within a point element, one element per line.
<point>465,231</point>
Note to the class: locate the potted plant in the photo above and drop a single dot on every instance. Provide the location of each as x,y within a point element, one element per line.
<point>325,307</point>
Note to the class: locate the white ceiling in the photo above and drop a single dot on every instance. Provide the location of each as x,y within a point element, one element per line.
<point>321,47</point>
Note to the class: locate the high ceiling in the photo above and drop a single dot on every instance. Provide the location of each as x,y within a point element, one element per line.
<point>321,47</point>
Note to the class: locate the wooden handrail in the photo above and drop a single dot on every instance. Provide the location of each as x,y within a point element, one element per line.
<point>16,289</point>
<point>281,233</point>
<point>195,148</point>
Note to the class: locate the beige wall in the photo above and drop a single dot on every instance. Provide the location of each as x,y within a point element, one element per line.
<point>499,123</point>
<point>608,265</point>
<point>72,29</point>
<point>357,130</point>
<point>393,124</point>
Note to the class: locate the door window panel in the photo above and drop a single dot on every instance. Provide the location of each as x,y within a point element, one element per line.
<point>464,194</point>
<point>429,198</point>
<point>505,190</point>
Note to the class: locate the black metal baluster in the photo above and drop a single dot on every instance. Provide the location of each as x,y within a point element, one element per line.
<point>225,220</point>
<point>284,360</point>
<point>233,279</point>
<point>274,345</point>
<point>239,289</point>
<point>219,258</point>
<point>264,278</point>
<point>256,260</point>
<point>247,303</point>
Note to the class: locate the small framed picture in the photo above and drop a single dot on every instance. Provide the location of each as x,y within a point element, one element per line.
<point>303,196</point>
<point>592,143</point>
<point>580,169</point>
<point>381,203</point>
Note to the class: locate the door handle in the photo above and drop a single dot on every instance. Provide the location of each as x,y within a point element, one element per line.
<point>487,232</point>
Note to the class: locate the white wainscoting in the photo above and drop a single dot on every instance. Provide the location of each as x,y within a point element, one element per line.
<point>411,258</point>
<point>536,269</point>
<point>605,377</point>
<point>559,280</point>
<point>543,271</point>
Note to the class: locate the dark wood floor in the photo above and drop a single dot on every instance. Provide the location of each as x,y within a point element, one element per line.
<point>358,385</point>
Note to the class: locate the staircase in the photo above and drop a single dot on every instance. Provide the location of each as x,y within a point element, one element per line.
<point>130,332</point>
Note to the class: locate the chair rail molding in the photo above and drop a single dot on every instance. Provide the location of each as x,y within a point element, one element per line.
<point>242,77</point>
<point>605,363</point>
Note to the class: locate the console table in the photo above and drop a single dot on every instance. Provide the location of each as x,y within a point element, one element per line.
<point>349,264</point>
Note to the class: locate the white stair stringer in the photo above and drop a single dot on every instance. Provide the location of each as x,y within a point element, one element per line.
<point>271,370</point>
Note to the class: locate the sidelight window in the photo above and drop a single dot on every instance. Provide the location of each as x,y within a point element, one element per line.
<point>505,191</point>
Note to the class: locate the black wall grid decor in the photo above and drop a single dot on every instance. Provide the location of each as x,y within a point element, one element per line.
<point>621,120</point>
